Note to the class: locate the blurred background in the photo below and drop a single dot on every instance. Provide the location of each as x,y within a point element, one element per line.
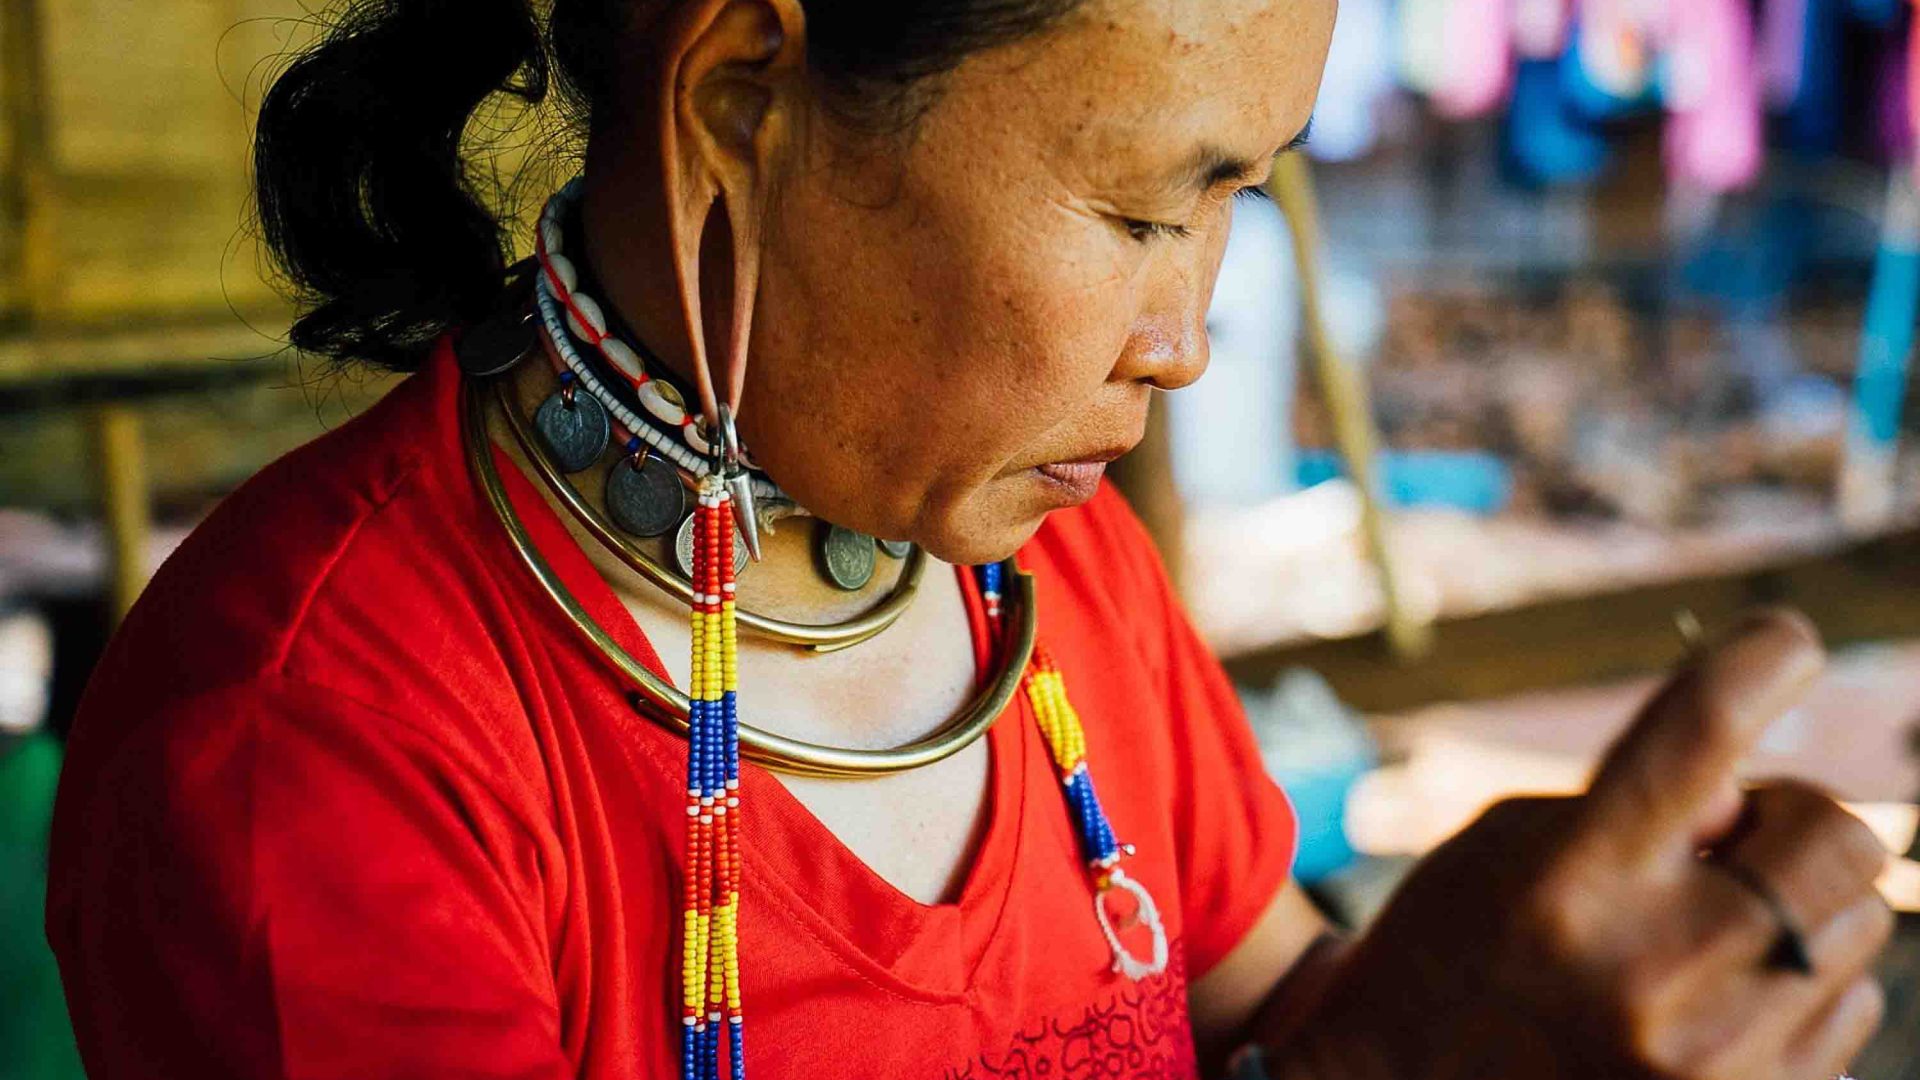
<point>1580,321</point>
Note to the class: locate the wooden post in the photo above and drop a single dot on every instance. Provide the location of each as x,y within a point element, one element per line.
<point>122,472</point>
<point>23,171</point>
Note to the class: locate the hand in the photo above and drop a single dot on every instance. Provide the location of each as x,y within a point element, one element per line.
<point>1567,939</point>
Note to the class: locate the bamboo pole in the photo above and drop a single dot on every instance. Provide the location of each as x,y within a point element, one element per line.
<point>1409,634</point>
<point>24,178</point>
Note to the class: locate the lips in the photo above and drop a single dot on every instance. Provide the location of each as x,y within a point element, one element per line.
<point>1077,481</point>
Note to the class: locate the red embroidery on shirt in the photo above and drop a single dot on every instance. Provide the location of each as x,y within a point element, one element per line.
<point>1141,1032</point>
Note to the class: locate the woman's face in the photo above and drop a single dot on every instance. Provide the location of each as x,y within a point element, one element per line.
<point>942,321</point>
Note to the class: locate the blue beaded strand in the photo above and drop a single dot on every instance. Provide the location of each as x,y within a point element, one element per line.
<point>1046,690</point>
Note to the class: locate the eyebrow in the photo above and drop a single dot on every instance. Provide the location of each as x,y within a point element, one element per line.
<point>1211,166</point>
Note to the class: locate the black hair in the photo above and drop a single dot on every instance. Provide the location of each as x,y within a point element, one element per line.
<point>381,227</point>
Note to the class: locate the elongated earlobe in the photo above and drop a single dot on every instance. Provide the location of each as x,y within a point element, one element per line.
<point>690,197</point>
<point>723,128</point>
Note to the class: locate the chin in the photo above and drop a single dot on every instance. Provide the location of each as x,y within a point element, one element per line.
<point>996,521</point>
<point>964,525</point>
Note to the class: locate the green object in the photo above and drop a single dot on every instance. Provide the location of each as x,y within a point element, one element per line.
<point>36,1040</point>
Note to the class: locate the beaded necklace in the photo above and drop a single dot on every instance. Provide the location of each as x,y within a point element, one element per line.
<point>710,916</point>
<point>1060,725</point>
<point>672,429</point>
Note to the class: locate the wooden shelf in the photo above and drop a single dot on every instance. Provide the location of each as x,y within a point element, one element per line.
<point>1862,592</point>
<point>157,352</point>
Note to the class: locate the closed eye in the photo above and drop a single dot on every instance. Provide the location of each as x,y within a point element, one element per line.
<point>1143,230</point>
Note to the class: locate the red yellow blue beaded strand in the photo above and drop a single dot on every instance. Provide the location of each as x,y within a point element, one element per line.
<point>710,949</point>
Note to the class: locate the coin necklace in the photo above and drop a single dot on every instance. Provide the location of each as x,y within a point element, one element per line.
<point>825,637</point>
<point>649,412</point>
<point>773,504</point>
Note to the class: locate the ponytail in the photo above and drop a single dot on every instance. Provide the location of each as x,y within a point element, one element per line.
<point>362,193</point>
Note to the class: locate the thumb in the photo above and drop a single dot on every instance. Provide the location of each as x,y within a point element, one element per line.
<point>1664,784</point>
<point>1719,815</point>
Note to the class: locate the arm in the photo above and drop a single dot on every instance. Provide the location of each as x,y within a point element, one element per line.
<point>1266,982</point>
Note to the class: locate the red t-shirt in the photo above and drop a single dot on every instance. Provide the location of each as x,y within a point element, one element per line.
<point>347,797</point>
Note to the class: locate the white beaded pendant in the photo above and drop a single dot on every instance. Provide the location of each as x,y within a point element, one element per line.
<point>663,401</point>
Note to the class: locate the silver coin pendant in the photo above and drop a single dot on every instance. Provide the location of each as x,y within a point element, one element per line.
<point>847,557</point>
<point>575,432</point>
<point>648,500</point>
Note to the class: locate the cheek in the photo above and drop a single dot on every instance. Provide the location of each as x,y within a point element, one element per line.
<point>944,336</point>
<point>1058,300</point>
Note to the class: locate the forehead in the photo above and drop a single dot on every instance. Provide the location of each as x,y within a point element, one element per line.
<point>1120,78</point>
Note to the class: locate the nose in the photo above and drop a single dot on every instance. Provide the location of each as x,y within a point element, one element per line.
<point>1165,349</point>
<point>1167,345</point>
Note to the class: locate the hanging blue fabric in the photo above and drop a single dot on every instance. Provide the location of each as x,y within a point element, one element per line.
<point>1545,144</point>
<point>1813,117</point>
<point>1887,336</point>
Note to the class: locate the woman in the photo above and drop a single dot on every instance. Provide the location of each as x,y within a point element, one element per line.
<point>382,777</point>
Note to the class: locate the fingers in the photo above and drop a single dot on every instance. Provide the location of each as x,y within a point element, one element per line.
<point>1817,857</point>
<point>1737,932</point>
<point>1663,784</point>
<point>1782,1018</point>
<point>1798,844</point>
<point>1823,863</point>
<point>1836,1035</point>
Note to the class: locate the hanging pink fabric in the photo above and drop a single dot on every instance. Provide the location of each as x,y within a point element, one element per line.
<point>1713,136</point>
<point>1478,70</point>
<point>1540,28</point>
<point>1913,77</point>
<point>1783,49</point>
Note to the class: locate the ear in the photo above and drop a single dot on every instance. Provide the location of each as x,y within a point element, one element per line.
<point>729,97</point>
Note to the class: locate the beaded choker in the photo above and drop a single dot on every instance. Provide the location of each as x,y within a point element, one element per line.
<point>708,455</point>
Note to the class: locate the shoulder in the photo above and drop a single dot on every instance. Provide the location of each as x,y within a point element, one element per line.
<point>231,601</point>
<point>348,566</point>
<point>334,611</point>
